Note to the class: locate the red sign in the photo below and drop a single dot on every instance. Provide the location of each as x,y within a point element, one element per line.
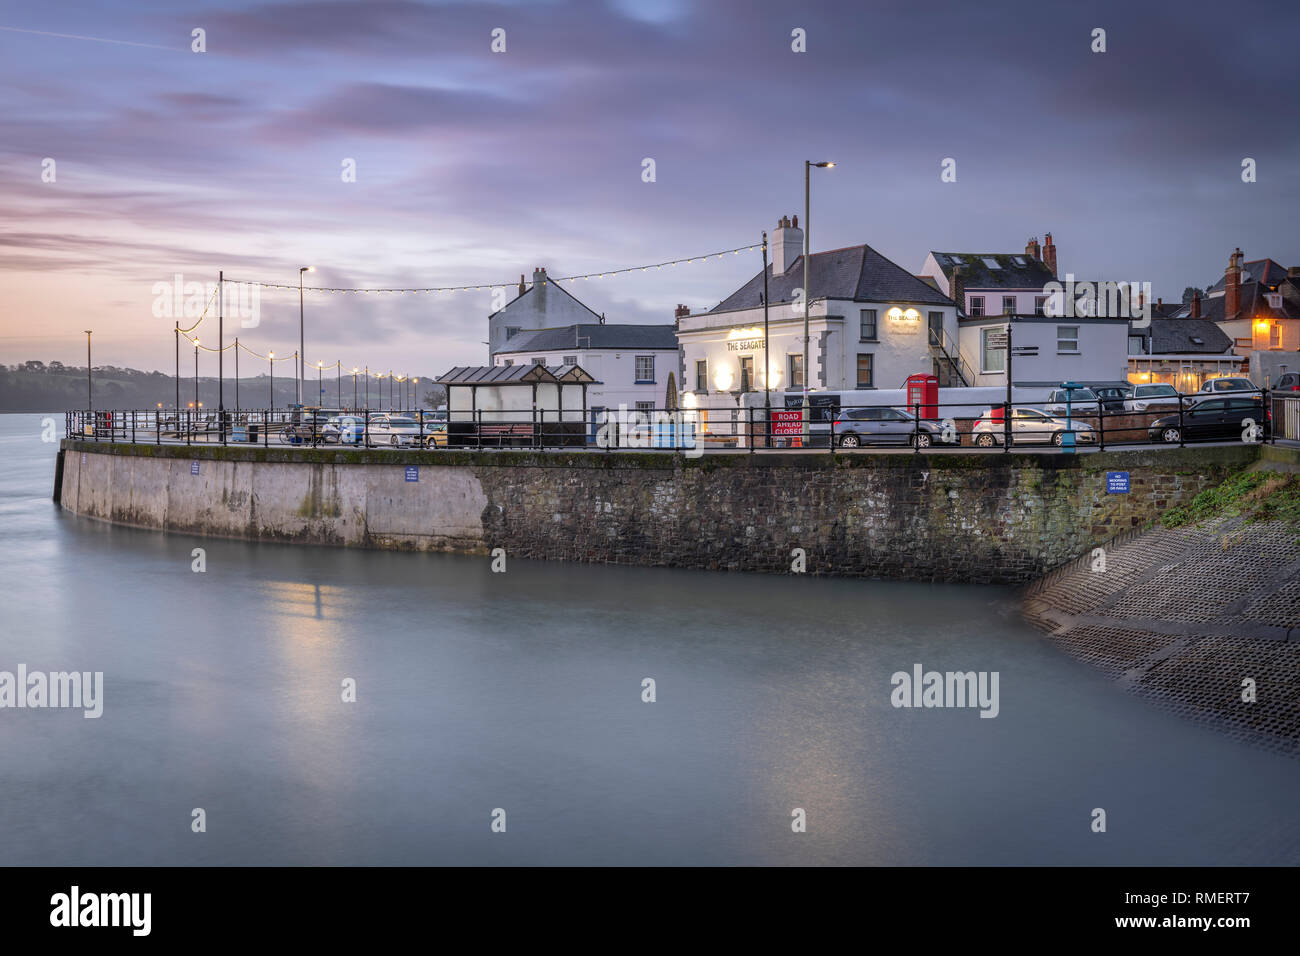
<point>787,422</point>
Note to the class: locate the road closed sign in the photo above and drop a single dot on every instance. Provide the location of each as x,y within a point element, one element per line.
<point>787,422</point>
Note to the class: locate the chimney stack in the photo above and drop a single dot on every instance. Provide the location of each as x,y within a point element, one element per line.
<point>522,288</point>
<point>1049,253</point>
<point>681,311</point>
<point>1293,272</point>
<point>1232,286</point>
<point>957,288</point>
<point>786,245</point>
<point>1196,304</point>
<point>539,287</point>
<point>1033,250</point>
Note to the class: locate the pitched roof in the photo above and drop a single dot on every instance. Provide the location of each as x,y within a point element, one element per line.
<point>593,336</point>
<point>515,375</point>
<point>1257,270</point>
<point>550,284</point>
<point>1184,336</point>
<point>995,270</point>
<point>856,272</point>
<point>1254,303</point>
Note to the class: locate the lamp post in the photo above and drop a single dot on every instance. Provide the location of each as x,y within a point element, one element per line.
<point>271,361</point>
<point>178,374</point>
<point>196,374</point>
<point>90,393</point>
<point>320,381</point>
<point>338,381</point>
<point>807,296</point>
<point>354,388</point>
<point>767,362</point>
<point>302,340</point>
<point>415,393</point>
<point>236,377</point>
<point>367,388</point>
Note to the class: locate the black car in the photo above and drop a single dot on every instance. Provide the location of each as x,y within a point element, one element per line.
<point>1216,419</point>
<point>1287,382</point>
<point>1112,397</point>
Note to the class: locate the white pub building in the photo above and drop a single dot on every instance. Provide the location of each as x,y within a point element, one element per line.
<point>871,324</point>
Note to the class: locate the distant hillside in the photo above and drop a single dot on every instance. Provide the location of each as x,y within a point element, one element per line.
<point>37,387</point>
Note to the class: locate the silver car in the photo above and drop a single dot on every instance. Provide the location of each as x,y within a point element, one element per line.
<point>1149,397</point>
<point>1220,386</point>
<point>395,430</point>
<point>886,426</point>
<point>1029,426</point>
<point>1082,401</point>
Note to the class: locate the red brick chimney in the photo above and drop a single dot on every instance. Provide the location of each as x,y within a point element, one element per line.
<point>1049,253</point>
<point>1196,304</point>
<point>522,288</point>
<point>681,311</point>
<point>1232,286</point>
<point>1033,250</point>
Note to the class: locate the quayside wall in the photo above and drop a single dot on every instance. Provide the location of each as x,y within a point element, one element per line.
<point>990,518</point>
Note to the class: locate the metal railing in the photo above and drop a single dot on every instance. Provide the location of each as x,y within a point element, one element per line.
<point>833,428</point>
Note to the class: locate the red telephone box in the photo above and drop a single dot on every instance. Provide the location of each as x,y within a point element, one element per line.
<point>923,390</point>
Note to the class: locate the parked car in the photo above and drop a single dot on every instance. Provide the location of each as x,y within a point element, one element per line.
<point>1148,397</point>
<point>393,430</point>
<point>1220,386</point>
<point>435,434</point>
<point>1028,426</point>
<point>886,426</point>
<point>346,429</point>
<point>1113,397</point>
<point>1287,382</point>
<point>1215,419</point>
<point>1083,401</point>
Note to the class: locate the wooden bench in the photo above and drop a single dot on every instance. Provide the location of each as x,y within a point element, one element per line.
<point>500,433</point>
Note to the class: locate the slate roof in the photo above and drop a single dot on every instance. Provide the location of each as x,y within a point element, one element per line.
<point>1257,270</point>
<point>858,273</point>
<point>1254,303</point>
<point>553,284</point>
<point>1177,337</point>
<point>514,375</point>
<point>1014,271</point>
<point>593,336</point>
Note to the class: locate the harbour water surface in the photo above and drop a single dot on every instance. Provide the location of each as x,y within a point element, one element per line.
<point>523,691</point>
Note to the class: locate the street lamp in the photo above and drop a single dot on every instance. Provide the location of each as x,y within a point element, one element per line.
<point>271,361</point>
<point>196,373</point>
<point>302,341</point>
<point>90,395</point>
<point>354,388</point>
<point>807,295</point>
<point>320,382</point>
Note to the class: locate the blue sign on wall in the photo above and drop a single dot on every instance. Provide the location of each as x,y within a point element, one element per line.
<point>194,468</point>
<point>412,472</point>
<point>1117,482</point>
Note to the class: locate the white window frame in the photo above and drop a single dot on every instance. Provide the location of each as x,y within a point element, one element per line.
<point>976,306</point>
<point>1061,340</point>
<point>986,352</point>
<point>636,369</point>
<point>1012,309</point>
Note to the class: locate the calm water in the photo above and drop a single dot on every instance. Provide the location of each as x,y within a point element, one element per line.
<point>523,691</point>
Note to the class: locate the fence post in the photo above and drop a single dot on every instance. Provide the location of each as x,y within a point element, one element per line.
<point>419,412</point>
<point>1006,427</point>
<point>1268,419</point>
<point>1182,434</point>
<point>916,428</point>
<point>133,428</point>
<point>1101,425</point>
<point>478,428</point>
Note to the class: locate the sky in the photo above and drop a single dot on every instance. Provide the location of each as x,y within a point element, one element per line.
<point>474,166</point>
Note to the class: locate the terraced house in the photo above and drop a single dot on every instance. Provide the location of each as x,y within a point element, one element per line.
<point>871,324</point>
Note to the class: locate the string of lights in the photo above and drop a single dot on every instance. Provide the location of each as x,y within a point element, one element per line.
<point>495,285</point>
<point>202,316</point>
